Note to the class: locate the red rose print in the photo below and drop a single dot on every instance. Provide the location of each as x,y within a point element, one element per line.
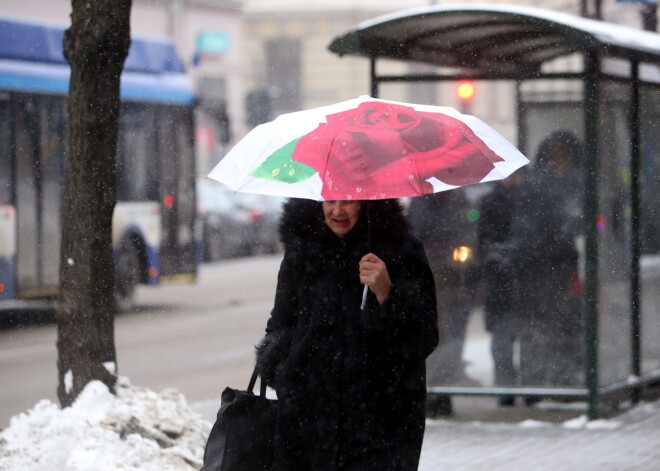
<point>382,150</point>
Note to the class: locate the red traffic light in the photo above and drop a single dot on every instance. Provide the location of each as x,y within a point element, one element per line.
<point>465,91</point>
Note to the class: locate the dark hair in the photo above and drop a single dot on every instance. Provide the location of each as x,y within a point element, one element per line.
<point>559,142</point>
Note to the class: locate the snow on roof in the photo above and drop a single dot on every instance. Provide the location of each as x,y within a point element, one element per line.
<point>605,32</point>
<point>491,36</point>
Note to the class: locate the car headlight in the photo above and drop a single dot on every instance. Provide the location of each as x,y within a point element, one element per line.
<point>462,254</point>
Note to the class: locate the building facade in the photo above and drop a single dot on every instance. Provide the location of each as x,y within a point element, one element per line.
<point>287,66</point>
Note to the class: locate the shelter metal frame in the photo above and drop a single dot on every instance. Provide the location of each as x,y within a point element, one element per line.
<point>501,42</point>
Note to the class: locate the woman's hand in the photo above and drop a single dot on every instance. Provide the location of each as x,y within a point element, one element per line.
<point>373,273</point>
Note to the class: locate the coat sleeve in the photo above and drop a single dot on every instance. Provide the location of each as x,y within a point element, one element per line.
<point>274,347</point>
<point>407,320</point>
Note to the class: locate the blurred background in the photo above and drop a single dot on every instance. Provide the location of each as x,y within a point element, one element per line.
<point>252,60</point>
<point>246,62</point>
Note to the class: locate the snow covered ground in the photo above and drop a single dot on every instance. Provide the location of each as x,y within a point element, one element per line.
<point>137,429</point>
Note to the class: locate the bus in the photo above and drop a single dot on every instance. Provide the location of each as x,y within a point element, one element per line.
<point>154,236</point>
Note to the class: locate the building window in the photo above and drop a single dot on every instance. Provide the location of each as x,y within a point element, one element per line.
<point>283,72</point>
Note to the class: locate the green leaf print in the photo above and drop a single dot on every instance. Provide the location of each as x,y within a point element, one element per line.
<point>279,166</point>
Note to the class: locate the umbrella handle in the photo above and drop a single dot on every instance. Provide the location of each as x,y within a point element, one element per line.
<point>364,297</point>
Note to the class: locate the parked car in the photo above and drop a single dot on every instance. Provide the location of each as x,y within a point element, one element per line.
<point>263,214</point>
<point>236,224</point>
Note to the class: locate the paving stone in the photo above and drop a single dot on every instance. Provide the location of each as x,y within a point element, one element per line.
<point>483,437</point>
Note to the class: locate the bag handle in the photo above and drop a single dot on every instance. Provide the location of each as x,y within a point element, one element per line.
<point>253,381</point>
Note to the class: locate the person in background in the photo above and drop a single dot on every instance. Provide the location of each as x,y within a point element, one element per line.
<point>528,236</point>
<point>502,315</point>
<point>440,221</point>
<point>551,265</point>
<point>350,382</point>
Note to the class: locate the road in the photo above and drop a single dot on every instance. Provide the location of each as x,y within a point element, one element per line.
<point>196,338</point>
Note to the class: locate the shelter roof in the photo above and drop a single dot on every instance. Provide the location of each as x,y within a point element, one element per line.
<point>491,38</point>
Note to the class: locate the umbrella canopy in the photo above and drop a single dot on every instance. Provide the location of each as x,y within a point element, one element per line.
<point>367,148</point>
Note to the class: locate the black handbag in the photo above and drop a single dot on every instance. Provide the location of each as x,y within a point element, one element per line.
<point>242,438</point>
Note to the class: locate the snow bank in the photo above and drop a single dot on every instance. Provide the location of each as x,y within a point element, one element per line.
<point>137,429</point>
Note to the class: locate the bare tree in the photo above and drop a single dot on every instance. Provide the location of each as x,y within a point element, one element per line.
<point>96,46</point>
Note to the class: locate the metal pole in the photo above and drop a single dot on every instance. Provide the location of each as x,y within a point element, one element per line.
<point>591,9</point>
<point>372,74</point>
<point>650,17</point>
<point>590,301</point>
<point>523,134</point>
<point>635,150</point>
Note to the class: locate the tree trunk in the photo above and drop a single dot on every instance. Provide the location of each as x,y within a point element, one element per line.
<point>96,46</point>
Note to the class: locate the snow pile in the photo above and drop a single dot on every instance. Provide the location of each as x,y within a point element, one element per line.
<point>137,429</point>
<point>583,422</point>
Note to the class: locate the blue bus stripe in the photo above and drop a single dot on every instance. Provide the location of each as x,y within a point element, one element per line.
<point>134,87</point>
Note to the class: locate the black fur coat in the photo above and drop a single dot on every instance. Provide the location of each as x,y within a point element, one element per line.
<point>350,383</point>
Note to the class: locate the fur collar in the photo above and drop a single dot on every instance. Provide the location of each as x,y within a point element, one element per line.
<point>383,219</point>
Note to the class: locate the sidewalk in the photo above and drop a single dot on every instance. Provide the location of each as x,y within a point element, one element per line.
<point>549,437</point>
<point>482,437</point>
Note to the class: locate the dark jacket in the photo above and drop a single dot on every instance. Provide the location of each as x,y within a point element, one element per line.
<point>350,383</point>
<point>527,240</point>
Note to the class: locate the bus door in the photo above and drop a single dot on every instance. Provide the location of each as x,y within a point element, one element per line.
<point>177,191</point>
<point>40,135</point>
<point>156,164</point>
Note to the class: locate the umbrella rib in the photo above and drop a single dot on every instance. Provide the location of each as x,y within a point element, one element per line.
<point>325,165</point>
<point>418,178</point>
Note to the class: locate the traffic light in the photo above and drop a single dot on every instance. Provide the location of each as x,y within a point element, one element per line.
<point>465,91</point>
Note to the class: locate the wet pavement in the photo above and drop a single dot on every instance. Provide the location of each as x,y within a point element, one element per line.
<point>550,436</point>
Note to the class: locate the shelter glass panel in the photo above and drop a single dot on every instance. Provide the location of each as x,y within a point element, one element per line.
<point>650,228</point>
<point>509,313</point>
<point>614,233</point>
<point>448,223</point>
<point>547,106</point>
<point>491,101</point>
<point>6,187</point>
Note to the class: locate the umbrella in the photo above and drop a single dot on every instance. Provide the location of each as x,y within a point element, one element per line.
<point>367,148</point>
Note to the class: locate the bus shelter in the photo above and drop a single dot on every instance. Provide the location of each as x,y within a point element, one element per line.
<point>591,333</point>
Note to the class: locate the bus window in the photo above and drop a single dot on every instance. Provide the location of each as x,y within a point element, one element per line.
<point>5,153</point>
<point>26,121</point>
<point>40,127</point>
<point>136,146</point>
<point>53,150</point>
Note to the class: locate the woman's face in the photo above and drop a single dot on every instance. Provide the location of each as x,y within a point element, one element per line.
<point>341,215</point>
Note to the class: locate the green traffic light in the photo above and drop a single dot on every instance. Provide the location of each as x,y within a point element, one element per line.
<point>473,215</point>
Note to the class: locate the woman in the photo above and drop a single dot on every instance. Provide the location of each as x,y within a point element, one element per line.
<point>350,382</point>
